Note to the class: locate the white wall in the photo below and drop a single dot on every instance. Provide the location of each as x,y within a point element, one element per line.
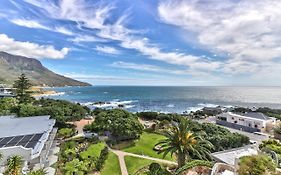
<point>15,150</point>
<point>246,121</point>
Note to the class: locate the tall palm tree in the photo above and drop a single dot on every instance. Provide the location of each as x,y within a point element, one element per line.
<point>15,164</point>
<point>180,141</point>
<point>38,172</point>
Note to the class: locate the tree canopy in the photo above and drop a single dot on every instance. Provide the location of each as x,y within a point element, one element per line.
<point>120,123</point>
<point>186,145</point>
<point>22,86</point>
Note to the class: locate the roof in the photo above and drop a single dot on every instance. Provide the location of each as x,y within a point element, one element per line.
<point>16,126</point>
<point>229,156</point>
<point>256,115</point>
<point>28,132</point>
<point>253,115</point>
<point>27,141</point>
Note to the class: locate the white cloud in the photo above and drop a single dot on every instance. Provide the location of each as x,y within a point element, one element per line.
<point>29,24</point>
<point>107,50</point>
<point>30,49</point>
<point>84,76</point>
<point>63,30</point>
<point>86,38</point>
<point>36,25</point>
<point>94,17</point>
<point>248,32</point>
<point>91,15</point>
<point>147,67</point>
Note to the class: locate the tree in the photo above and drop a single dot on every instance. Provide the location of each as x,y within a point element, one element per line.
<point>14,166</point>
<point>38,172</point>
<point>256,165</point>
<point>180,141</point>
<point>1,156</point>
<point>76,167</point>
<point>7,105</point>
<point>22,91</point>
<point>120,123</point>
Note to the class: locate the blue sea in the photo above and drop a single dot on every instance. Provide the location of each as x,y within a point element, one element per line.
<point>170,99</point>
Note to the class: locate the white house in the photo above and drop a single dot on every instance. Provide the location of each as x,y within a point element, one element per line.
<point>29,137</point>
<point>251,121</point>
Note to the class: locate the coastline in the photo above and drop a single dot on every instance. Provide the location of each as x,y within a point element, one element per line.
<point>40,91</point>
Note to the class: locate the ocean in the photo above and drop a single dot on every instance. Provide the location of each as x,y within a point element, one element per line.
<point>170,99</point>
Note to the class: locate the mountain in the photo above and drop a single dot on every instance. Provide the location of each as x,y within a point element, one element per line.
<point>11,66</point>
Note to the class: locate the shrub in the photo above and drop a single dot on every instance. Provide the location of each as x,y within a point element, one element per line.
<point>102,158</point>
<point>66,132</point>
<point>256,165</point>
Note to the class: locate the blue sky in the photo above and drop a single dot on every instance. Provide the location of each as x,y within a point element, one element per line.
<point>145,42</point>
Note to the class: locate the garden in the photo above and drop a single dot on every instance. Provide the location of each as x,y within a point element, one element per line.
<point>83,156</point>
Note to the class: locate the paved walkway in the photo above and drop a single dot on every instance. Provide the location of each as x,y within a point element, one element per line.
<point>122,154</point>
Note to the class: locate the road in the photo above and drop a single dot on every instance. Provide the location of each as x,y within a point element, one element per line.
<point>252,136</point>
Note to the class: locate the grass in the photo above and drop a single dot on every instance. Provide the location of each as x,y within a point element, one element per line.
<point>145,144</point>
<point>93,150</point>
<point>111,166</point>
<point>134,164</point>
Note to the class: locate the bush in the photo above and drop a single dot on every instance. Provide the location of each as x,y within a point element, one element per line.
<point>158,116</point>
<point>66,132</point>
<point>256,165</point>
<point>156,169</point>
<point>102,158</point>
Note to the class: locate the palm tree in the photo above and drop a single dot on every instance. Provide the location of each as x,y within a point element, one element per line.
<point>180,141</point>
<point>14,165</point>
<point>38,172</point>
<point>1,156</point>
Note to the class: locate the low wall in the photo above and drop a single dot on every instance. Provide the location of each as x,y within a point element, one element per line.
<point>237,126</point>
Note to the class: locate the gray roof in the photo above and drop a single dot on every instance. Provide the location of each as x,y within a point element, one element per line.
<point>13,126</point>
<point>256,115</point>
<point>229,156</point>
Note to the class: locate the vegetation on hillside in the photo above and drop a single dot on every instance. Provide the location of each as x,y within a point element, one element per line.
<point>11,66</point>
<point>256,165</point>
<point>273,148</point>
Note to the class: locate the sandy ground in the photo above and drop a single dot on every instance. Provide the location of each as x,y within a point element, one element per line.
<point>81,123</point>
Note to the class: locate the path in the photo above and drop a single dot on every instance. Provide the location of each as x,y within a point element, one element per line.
<point>122,154</point>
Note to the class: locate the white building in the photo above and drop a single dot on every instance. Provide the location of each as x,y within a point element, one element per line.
<point>29,137</point>
<point>251,121</point>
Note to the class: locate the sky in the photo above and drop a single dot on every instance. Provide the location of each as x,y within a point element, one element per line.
<point>149,42</point>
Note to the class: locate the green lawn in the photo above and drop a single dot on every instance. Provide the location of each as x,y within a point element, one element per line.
<point>111,166</point>
<point>134,164</point>
<point>145,145</point>
<point>93,150</point>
